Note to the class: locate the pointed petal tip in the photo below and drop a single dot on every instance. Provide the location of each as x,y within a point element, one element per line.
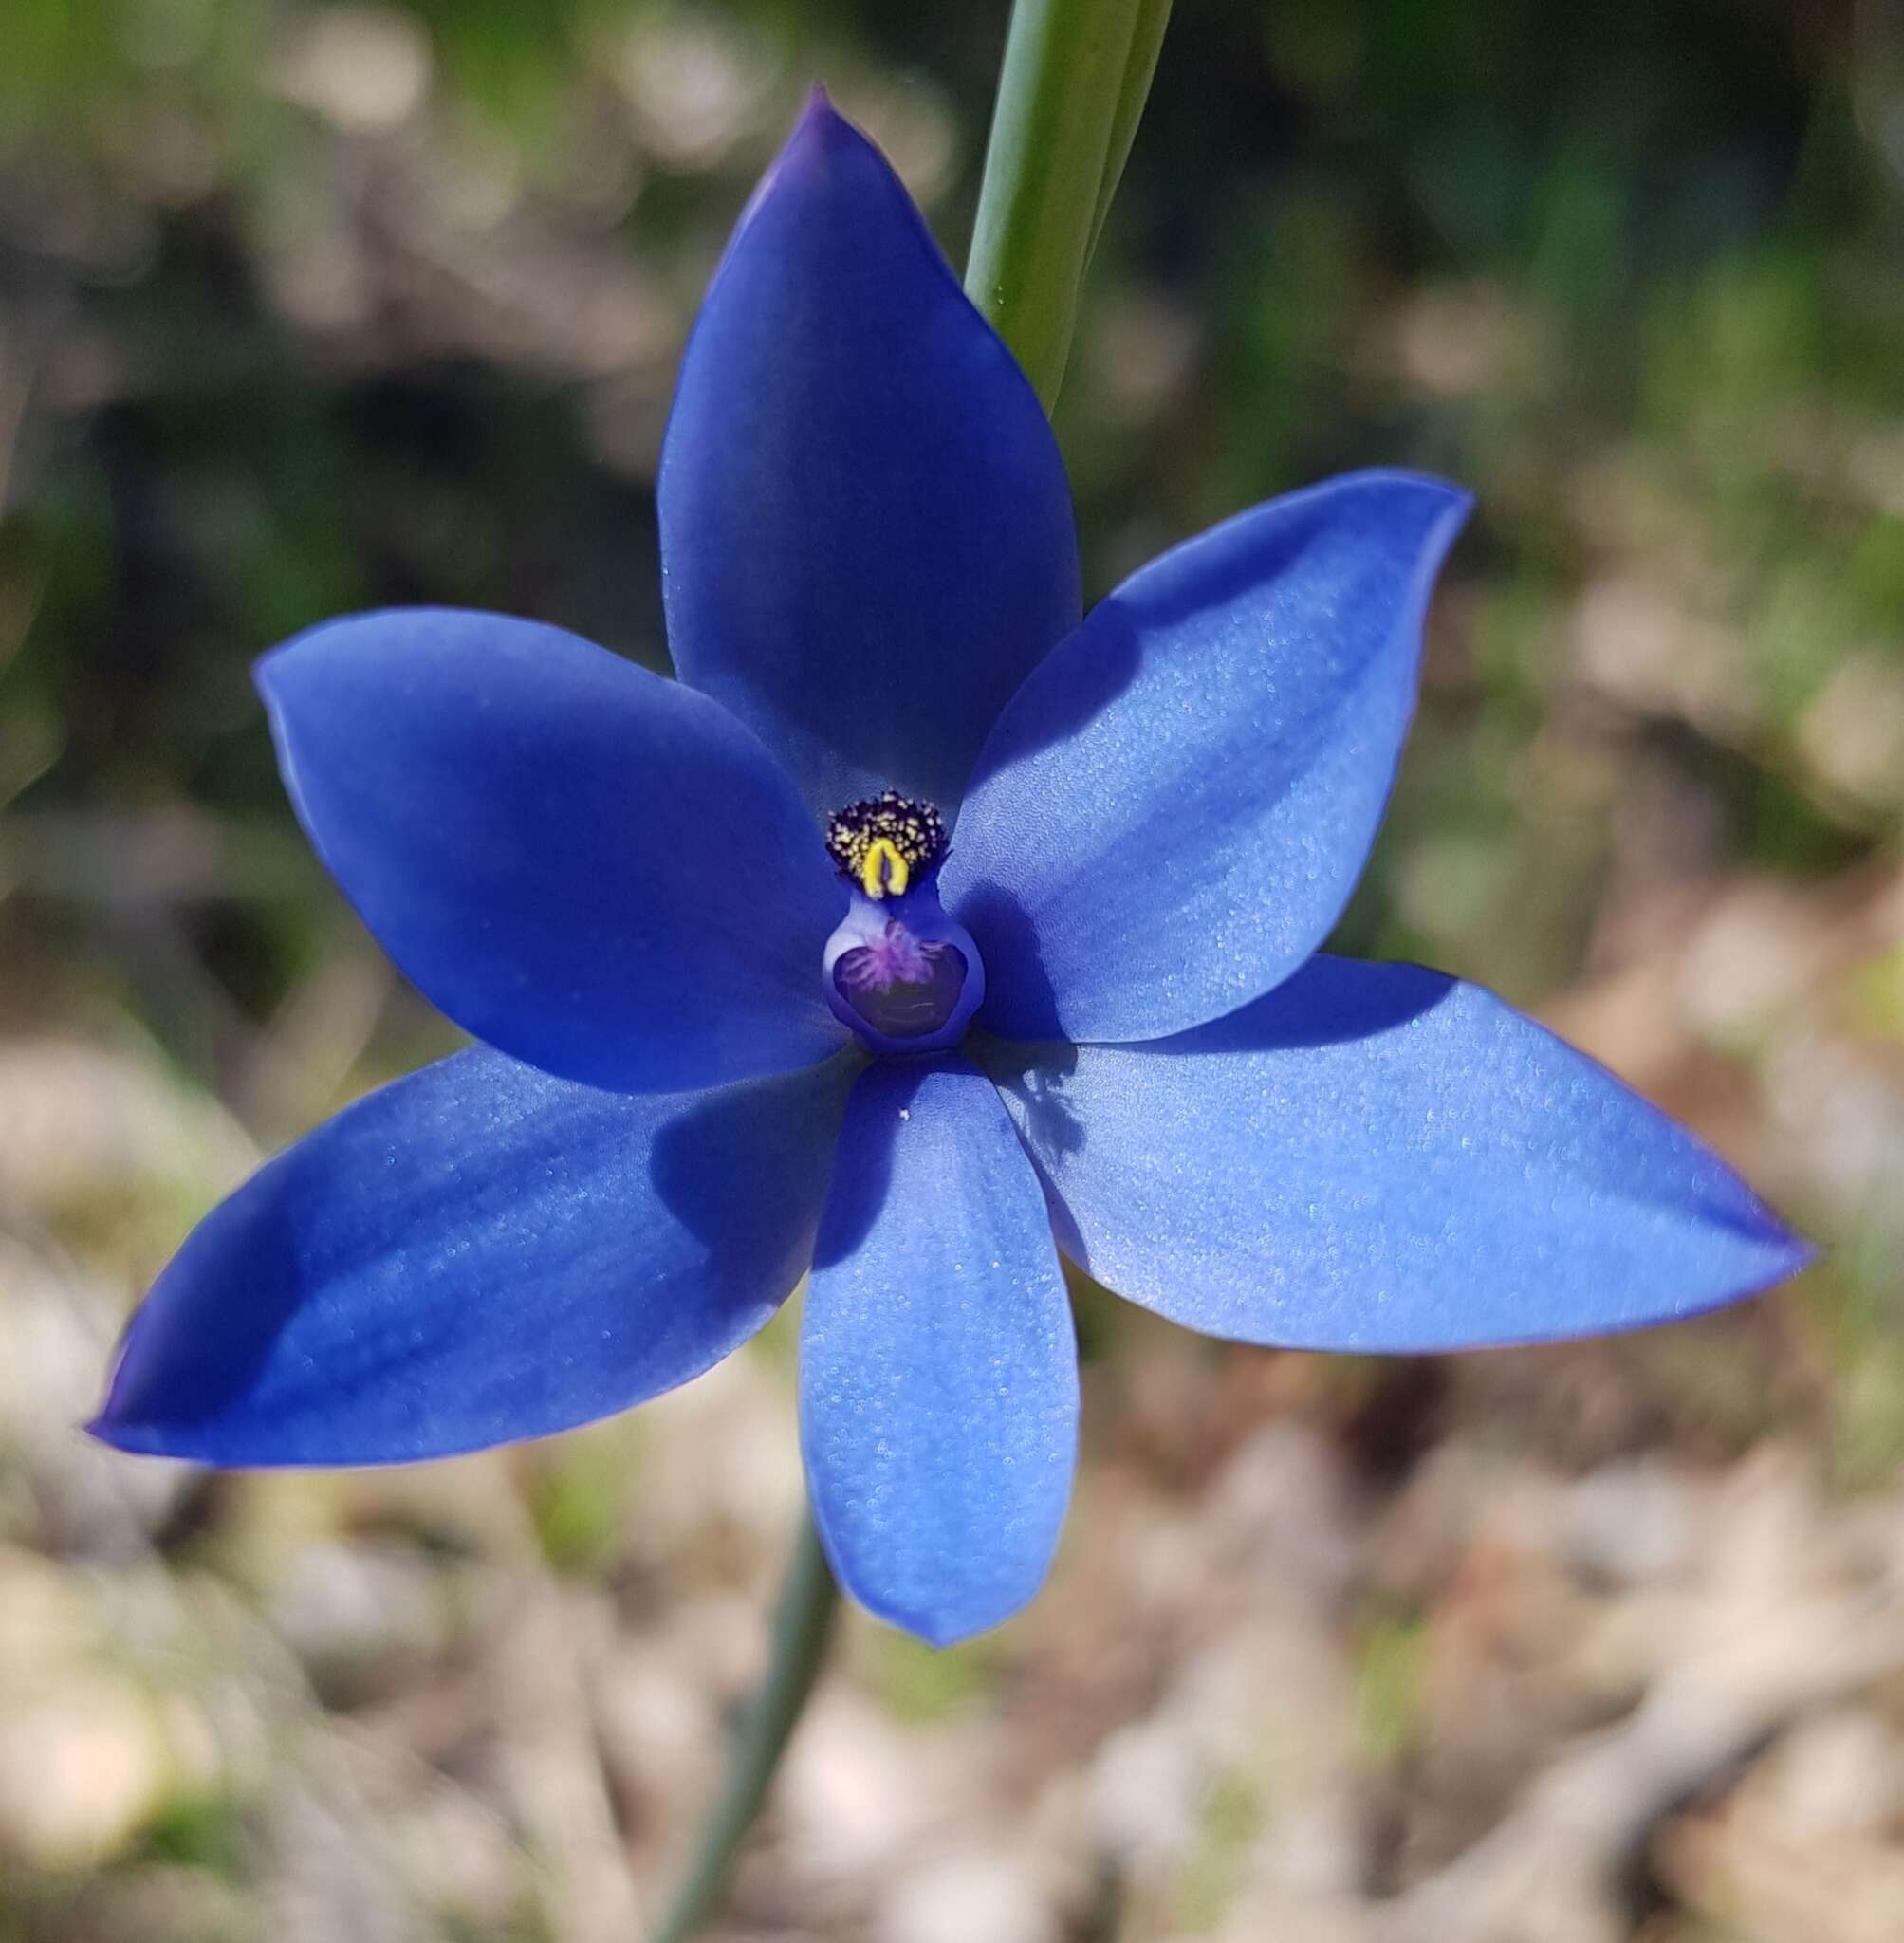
<point>941,1637</point>
<point>1446,505</point>
<point>133,1440</point>
<point>108,1424</point>
<point>820,131</point>
<point>1458,502</point>
<point>938,1627</point>
<point>125,1421</point>
<point>1436,509</point>
<point>819,141</point>
<point>269,669</point>
<point>298,655</point>
<point>940,1631</point>
<point>1782,1252</point>
<point>1782,1255</point>
<point>1792,1252</point>
<point>272,664</point>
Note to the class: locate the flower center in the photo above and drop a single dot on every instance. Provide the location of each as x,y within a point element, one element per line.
<point>883,842</point>
<point>906,977</point>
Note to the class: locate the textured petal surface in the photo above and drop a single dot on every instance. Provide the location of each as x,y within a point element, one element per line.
<point>478,1253</point>
<point>866,532</point>
<point>938,1372</point>
<point>594,869</point>
<point>1380,1158</point>
<point>1173,811</point>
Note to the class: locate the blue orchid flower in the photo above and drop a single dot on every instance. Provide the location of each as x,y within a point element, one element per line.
<point>922,928</point>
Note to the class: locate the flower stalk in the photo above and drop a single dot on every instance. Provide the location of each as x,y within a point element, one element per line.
<point>1071,94</point>
<point>1076,76</point>
<point>1140,62</point>
<point>803,1621</point>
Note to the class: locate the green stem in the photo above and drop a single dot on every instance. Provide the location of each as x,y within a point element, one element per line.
<point>1076,76</point>
<point>1141,64</point>
<point>802,1621</point>
<point>1062,101</point>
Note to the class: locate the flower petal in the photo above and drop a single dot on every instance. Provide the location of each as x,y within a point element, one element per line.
<point>938,1371</point>
<point>1380,1158</point>
<point>478,1253</point>
<point>596,870</point>
<point>1173,810</point>
<point>866,533</point>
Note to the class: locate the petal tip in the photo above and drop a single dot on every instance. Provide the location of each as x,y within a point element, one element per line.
<point>1779,1250</point>
<point>270,668</point>
<point>939,1626</point>
<point>124,1420</point>
<point>1434,508</point>
<point>1446,505</point>
<point>133,1439</point>
<point>820,134</point>
<point>822,142</point>
<point>1458,503</point>
<point>943,1631</point>
<point>295,659</point>
<point>1792,1252</point>
<point>941,1639</point>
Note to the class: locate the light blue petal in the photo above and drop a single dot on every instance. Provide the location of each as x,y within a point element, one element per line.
<point>1173,811</point>
<point>1380,1158</point>
<point>595,870</point>
<point>478,1253</point>
<point>938,1371</point>
<point>866,533</point>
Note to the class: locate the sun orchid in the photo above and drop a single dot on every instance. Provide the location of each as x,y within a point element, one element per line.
<point>924,927</point>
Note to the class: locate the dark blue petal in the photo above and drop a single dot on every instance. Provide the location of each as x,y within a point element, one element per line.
<point>865,529</point>
<point>938,1372</point>
<point>1173,811</point>
<point>594,869</point>
<point>1380,1158</point>
<point>474,1254</point>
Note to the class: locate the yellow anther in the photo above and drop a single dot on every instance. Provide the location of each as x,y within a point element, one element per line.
<point>883,870</point>
<point>881,844</point>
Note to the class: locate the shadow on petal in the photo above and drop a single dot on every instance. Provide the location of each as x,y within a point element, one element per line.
<point>1115,655</point>
<point>864,1178</point>
<point>1008,941</point>
<point>770,1140</point>
<point>1325,1003</point>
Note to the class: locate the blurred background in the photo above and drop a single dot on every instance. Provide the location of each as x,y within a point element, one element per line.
<point>305,307</point>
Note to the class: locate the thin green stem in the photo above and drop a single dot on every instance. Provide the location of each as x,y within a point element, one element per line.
<point>1076,76</point>
<point>1061,101</point>
<point>1141,64</point>
<point>802,1621</point>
